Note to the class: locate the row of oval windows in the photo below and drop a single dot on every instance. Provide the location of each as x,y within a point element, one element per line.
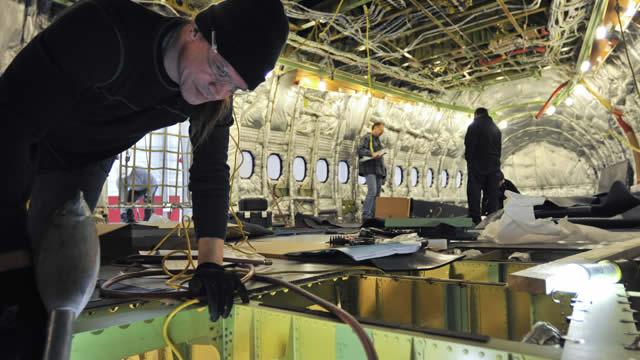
<point>274,171</point>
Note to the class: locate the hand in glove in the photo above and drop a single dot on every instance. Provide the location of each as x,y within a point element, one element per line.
<point>211,282</point>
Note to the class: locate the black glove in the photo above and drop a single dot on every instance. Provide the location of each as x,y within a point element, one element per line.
<point>218,287</point>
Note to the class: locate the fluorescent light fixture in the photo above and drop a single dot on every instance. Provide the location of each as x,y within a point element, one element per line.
<point>576,277</point>
<point>322,86</point>
<point>503,124</point>
<point>585,66</point>
<point>601,32</point>
<point>550,110</point>
<point>500,78</point>
<point>569,101</point>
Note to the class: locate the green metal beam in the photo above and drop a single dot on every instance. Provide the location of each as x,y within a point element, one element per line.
<point>255,332</point>
<point>344,76</point>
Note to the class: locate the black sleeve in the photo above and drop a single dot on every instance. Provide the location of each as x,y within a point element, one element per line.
<point>364,148</point>
<point>79,50</point>
<point>499,142</point>
<point>469,143</point>
<point>209,182</point>
<point>508,185</point>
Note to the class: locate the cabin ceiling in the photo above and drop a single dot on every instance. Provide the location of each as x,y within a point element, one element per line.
<point>434,45</point>
<point>428,46</point>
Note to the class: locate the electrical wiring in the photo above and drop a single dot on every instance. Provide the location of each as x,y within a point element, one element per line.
<point>623,140</point>
<point>248,273</point>
<point>366,44</point>
<point>167,321</point>
<point>626,50</point>
<point>332,18</point>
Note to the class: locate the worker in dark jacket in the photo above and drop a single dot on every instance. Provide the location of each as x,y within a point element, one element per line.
<point>504,184</point>
<point>371,162</point>
<point>91,85</point>
<point>482,150</point>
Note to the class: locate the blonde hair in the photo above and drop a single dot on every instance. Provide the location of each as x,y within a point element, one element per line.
<point>205,118</point>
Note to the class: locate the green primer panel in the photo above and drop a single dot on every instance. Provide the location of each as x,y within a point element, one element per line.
<point>314,339</point>
<point>191,325</point>
<point>392,346</point>
<point>272,334</point>
<point>348,346</point>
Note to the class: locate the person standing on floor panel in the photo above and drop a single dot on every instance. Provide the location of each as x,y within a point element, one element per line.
<point>372,167</point>
<point>482,150</point>
<point>92,84</point>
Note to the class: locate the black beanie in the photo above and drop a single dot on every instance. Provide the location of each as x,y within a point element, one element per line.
<point>249,34</point>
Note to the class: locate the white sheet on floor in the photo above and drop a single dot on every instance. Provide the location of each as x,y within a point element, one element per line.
<point>518,225</point>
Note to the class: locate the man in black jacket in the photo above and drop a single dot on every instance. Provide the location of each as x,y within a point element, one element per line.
<point>91,85</point>
<point>372,167</point>
<point>483,148</point>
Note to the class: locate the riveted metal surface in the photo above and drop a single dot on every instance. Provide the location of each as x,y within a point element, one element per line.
<point>444,350</point>
<point>348,347</point>
<point>117,342</point>
<point>476,271</point>
<point>392,346</point>
<point>242,334</point>
<point>272,331</point>
<point>313,338</point>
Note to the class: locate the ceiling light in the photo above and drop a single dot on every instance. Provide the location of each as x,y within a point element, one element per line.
<point>500,78</point>
<point>437,62</point>
<point>405,64</point>
<point>631,9</point>
<point>581,90</point>
<point>503,124</point>
<point>361,48</point>
<point>585,66</point>
<point>550,110</point>
<point>601,32</point>
<point>322,85</point>
<point>569,101</point>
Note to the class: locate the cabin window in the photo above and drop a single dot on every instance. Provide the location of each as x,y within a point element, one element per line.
<point>274,166</point>
<point>413,173</point>
<point>459,179</point>
<point>246,168</point>
<point>398,176</point>
<point>444,178</point>
<point>429,177</point>
<point>322,170</point>
<point>299,168</point>
<point>343,172</point>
